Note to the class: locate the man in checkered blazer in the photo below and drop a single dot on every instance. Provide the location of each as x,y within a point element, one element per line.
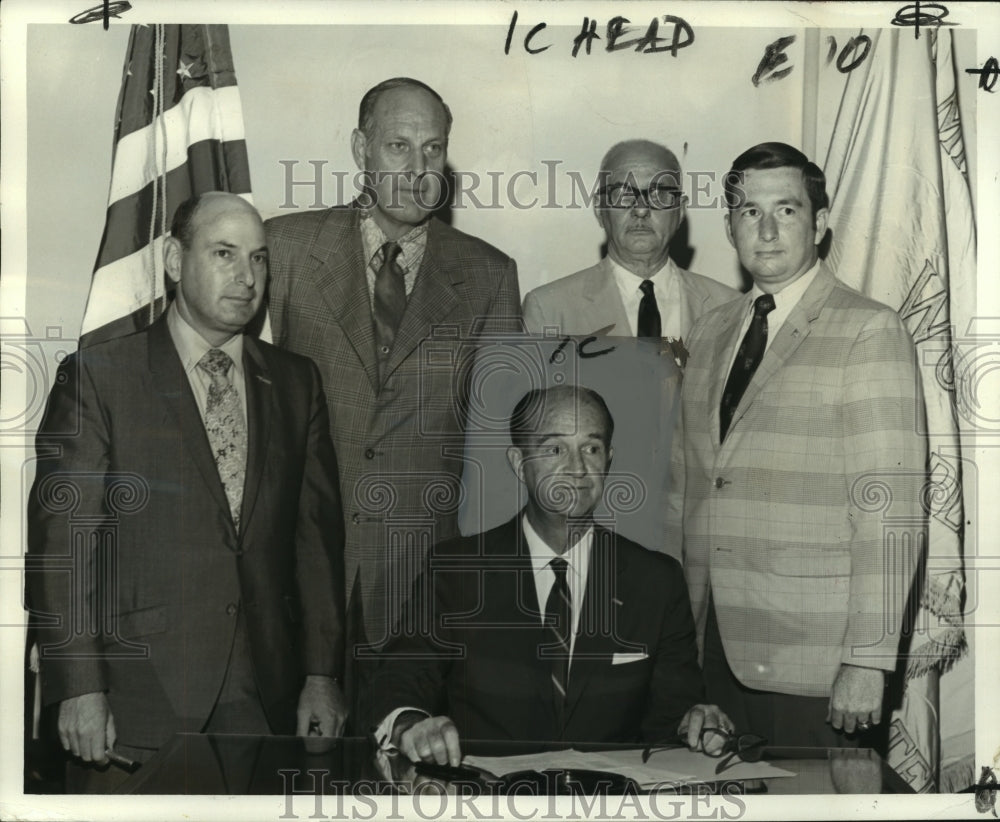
<point>801,473</point>
<point>390,303</point>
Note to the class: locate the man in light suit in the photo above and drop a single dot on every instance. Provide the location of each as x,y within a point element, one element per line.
<point>801,411</point>
<point>636,290</point>
<point>506,645</point>
<point>187,481</point>
<point>390,303</point>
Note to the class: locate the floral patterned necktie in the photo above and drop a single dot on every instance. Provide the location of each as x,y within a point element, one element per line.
<point>227,433</point>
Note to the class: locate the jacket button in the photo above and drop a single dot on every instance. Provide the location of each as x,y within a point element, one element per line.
<point>231,608</point>
<point>383,350</point>
<point>719,482</point>
<point>370,453</point>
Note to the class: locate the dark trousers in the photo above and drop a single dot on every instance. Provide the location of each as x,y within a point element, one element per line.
<point>783,719</point>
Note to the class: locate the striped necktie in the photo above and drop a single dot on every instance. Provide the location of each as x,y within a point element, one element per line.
<point>227,433</point>
<point>559,623</point>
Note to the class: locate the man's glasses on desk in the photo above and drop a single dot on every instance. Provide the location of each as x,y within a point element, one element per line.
<point>741,747</point>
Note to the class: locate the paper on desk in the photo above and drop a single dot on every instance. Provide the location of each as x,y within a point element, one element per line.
<point>676,765</point>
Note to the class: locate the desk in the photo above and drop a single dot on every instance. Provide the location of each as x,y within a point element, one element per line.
<point>276,765</point>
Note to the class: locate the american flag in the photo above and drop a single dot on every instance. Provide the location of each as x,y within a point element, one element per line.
<point>178,132</point>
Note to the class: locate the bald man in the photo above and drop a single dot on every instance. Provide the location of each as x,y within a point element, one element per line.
<point>198,462</point>
<point>636,290</point>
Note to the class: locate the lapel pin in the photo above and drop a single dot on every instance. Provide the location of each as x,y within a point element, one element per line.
<point>617,601</point>
<point>263,379</point>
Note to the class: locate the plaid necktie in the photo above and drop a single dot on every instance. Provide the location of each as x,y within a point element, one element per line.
<point>390,301</point>
<point>747,359</point>
<point>227,433</point>
<point>649,313</point>
<point>559,622</point>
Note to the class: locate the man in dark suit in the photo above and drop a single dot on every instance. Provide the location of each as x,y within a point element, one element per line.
<point>549,627</point>
<point>636,290</point>
<point>391,304</point>
<point>187,480</point>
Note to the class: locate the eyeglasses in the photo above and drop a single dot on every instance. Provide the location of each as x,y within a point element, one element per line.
<point>622,195</point>
<point>745,747</point>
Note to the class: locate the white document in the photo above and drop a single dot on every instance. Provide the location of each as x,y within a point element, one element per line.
<point>678,765</point>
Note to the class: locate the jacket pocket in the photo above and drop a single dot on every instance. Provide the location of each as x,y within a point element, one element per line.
<point>818,563</point>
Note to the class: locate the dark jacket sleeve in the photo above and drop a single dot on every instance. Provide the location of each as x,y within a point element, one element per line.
<point>319,544</point>
<point>65,506</point>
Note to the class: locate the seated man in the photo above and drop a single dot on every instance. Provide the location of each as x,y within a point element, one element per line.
<point>550,627</point>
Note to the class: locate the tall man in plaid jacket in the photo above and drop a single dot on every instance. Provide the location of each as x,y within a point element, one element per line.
<point>801,410</point>
<point>390,303</point>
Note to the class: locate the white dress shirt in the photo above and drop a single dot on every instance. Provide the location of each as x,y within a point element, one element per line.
<point>191,347</point>
<point>666,289</point>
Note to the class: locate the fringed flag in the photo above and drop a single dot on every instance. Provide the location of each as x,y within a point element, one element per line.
<point>904,233</point>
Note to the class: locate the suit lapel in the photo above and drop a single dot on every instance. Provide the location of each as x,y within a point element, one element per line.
<point>342,280</point>
<point>692,300</point>
<point>789,337</point>
<point>259,403</point>
<point>594,644</point>
<point>172,384</point>
<point>604,304</point>
<point>514,603</point>
<point>433,298</point>
<point>730,321</point>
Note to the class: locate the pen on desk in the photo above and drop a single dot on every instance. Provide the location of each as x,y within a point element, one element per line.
<point>122,761</point>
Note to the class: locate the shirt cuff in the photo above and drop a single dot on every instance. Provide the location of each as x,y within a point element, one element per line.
<point>383,733</point>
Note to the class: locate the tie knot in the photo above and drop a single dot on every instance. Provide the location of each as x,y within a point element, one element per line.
<point>390,251</point>
<point>559,566</point>
<point>646,287</point>
<point>216,362</point>
<point>763,305</point>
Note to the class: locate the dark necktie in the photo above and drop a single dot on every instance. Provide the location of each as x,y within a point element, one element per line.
<point>390,300</point>
<point>748,357</point>
<point>227,433</point>
<point>649,314</point>
<point>559,621</point>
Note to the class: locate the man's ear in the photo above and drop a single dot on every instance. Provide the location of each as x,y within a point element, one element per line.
<point>822,220</point>
<point>728,217</point>
<point>611,456</point>
<point>173,253</point>
<point>515,456</point>
<point>358,145</point>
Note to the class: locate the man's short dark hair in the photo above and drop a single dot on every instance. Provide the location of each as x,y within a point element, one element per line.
<point>182,226</point>
<point>366,111</point>
<point>776,155</point>
<point>527,414</point>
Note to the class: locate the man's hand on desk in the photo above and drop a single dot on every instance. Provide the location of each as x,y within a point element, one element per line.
<point>321,706</point>
<point>86,727</point>
<point>427,739</point>
<point>700,717</point>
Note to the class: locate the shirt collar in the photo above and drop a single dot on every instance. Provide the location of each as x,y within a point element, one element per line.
<point>191,346</point>
<point>629,282</point>
<point>576,555</point>
<point>411,244</point>
<point>786,299</point>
